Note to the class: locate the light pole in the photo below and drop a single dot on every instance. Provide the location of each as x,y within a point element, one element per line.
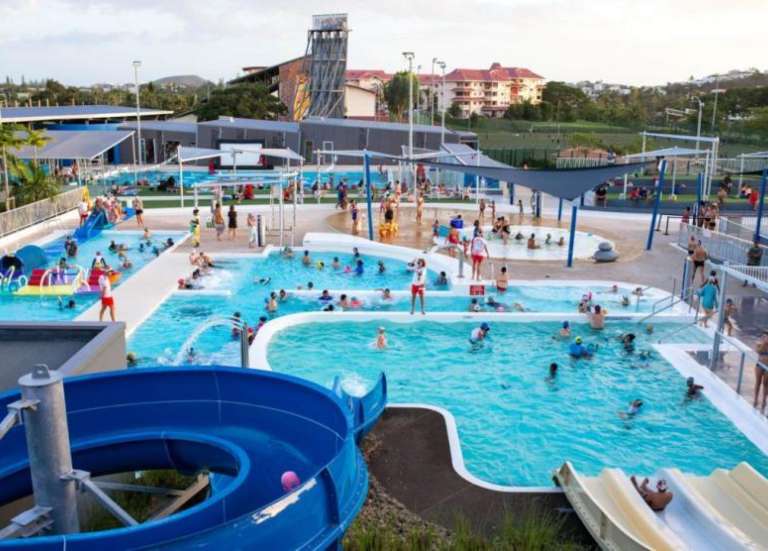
<point>717,92</point>
<point>409,56</point>
<point>432,93</point>
<point>136,65</point>
<point>441,64</point>
<point>698,126</point>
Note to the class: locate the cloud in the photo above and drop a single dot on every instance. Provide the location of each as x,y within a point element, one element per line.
<point>649,42</point>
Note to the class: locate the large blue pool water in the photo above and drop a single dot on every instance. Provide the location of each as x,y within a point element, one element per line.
<point>196,176</point>
<point>516,426</point>
<point>49,308</point>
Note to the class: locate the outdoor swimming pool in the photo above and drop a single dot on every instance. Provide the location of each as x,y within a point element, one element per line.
<point>199,176</point>
<point>585,244</point>
<point>515,426</point>
<point>49,308</point>
<point>186,310</point>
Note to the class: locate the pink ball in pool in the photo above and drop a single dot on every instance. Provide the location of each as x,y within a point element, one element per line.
<point>289,480</point>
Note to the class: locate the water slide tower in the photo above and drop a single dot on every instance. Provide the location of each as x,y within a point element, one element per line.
<point>322,93</point>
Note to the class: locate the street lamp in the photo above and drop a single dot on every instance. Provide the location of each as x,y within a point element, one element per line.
<point>441,64</point>
<point>432,93</point>
<point>698,127</point>
<point>136,65</point>
<point>410,56</point>
<point>717,92</point>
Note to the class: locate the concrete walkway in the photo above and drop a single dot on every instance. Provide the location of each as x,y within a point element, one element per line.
<point>138,297</point>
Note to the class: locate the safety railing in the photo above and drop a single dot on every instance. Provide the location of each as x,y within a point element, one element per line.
<point>745,229</point>
<point>751,274</point>
<point>732,367</point>
<point>719,246</point>
<point>39,211</point>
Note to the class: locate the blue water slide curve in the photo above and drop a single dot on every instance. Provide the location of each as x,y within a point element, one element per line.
<point>246,427</point>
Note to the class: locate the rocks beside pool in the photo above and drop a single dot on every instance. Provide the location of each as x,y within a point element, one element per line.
<point>605,253</point>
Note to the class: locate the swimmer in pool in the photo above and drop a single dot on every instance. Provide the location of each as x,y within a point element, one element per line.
<point>282,296</point>
<point>343,302</point>
<point>382,269</point>
<point>625,301</point>
<point>474,306</point>
<point>355,252</point>
<point>320,265</point>
<point>264,280</point>
<point>552,372</point>
<point>272,302</point>
<point>565,331</point>
<point>632,409</point>
<point>386,294</point>
<point>517,307</point>
<point>287,252</point>
<point>325,296</point>
<point>336,265</point>
<point>614,288</point>
<point>577,349</point>
<point>306,260</point>
<point>478,335</point>
<point>493,303</point>
<point>191,355</point>
<point>628,342</point>
<point>359,268</point>
<point>381,339</point>
<point>442,279</point>
<point>692,389</point>
<point>649,329</point>
<point>328,308</point>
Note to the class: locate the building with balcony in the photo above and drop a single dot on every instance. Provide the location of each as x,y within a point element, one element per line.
<point>487,92</point>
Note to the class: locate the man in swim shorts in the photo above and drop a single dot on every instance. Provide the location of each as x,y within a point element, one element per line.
<point>418,283</point>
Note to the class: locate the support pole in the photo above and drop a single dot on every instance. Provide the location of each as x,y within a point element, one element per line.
<point>741,174</point>
<point>626,183</point>
<point>560,209</point>
<point>760,205</point>
<point>367,175</point>
<point>572,236</point>
<point>720,318</point>
<point>656,203</point>
<point>244,345</point>
<point>674,176</point>
<point>511,193</point>
<point>699,183</point>
<point>50,457</point>
<point>181,174</point>
<point>281,215</point>
<point>538,204</point>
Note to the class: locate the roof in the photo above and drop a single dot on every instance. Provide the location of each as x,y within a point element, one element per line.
<point>75,112</point>
<point>74,144</point>
<point>163,126</point>
<point>356,74</point>
<point>253,73</point>
<point>253,124</point>
<point>464,155</point>
<point>380,125</point>
<point>356,87</point>
<point>495,73</point>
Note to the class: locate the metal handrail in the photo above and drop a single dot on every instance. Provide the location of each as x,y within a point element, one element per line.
<point>673,302</point>
<point>744,351</point>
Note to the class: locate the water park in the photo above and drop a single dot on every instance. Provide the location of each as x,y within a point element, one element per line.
<point>313,330</point>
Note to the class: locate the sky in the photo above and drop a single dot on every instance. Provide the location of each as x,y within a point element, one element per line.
<point>639,42</point>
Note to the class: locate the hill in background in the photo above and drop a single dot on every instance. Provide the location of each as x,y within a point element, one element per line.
<point>181,81</point>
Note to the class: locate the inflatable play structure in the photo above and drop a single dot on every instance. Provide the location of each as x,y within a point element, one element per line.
<point>53,282</point>
<point>727,509</point>
<point>280,453</point>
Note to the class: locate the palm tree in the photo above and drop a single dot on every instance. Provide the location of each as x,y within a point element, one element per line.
<point>36,138</point>
<point>34,182</point>
<point>9,139</point>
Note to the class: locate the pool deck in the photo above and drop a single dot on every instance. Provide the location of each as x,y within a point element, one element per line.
<point>418,472</point>
<point>137,298</point>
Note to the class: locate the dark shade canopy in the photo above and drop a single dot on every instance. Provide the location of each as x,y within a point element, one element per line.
<point>565,184</point>
<point>73,144</point>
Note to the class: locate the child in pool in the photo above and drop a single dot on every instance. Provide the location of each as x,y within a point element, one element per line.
<point>381,339</point>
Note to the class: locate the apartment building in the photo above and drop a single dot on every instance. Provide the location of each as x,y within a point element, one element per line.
<point>489,92</point>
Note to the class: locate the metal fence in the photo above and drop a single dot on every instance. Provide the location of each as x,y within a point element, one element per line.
<point>33,213</point>
<point>743,229</point>
<point>734,365</point>
<point>581,162</point>
<point>720,246</point>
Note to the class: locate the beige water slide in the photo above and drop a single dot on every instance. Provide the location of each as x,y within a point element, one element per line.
<point>725,510</point>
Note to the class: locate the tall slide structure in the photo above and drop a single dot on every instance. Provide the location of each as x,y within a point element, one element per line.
<point>321,94</point>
